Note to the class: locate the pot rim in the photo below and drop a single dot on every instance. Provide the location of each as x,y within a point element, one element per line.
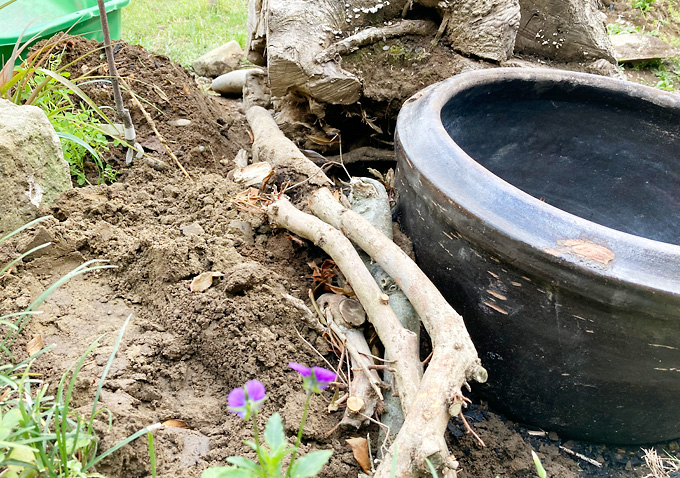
<point>563,243</point>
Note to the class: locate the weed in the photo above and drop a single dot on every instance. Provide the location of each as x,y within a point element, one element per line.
<point>77,123</point>
<point>620,29</point>
<point>643,5</point>
<point>246,403</point>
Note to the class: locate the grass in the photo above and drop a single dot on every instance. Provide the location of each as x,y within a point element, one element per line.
<point>41,436</point>
<point>184,29</point>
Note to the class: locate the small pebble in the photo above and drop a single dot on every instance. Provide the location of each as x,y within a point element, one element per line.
<point>180,122</point>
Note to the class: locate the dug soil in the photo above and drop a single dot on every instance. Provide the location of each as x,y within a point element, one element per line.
<point>183,351</point>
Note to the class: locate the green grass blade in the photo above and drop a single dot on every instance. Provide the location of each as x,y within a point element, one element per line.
<point>121,444</point>
<point>116,346</point>
<point>25,226</point>
<point>72,86</point>
<point>37,248</point>
<point>152,456</point>
<point>80,142</point>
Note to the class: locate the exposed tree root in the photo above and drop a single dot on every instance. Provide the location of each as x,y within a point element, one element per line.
<point>374,34</point>
<point>454,360</point>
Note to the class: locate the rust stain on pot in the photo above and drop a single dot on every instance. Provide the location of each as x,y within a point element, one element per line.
<point>495,307</point>
<point>588,250</point>
<point>496,294</point>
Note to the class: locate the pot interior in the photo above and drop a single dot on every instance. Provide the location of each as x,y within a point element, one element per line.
<point>599,154</point>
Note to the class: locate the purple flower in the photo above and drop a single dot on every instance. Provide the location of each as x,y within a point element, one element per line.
<point>246,401</point>
<point>314,379</point>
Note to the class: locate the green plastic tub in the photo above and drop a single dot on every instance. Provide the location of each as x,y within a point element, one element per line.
<point>47,17</point>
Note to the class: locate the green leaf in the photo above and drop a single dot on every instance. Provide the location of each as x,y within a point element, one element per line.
<point>79,142</point>
<point>310,464</point>
<point>243,462</point>
<point>227,472</point>
<point>274,435</point>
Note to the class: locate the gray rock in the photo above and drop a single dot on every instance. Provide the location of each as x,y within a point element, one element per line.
<point>232,83</point>
<point>563,30</point>
<point>33,171</point>
<point>219,61</point>
<point>639,47</point>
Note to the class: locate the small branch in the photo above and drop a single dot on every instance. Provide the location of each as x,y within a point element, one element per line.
<point>123,112</point>
<point>470,430</point>
<point>398,342</point>
<point>374,34</point>
<point>454,359</point>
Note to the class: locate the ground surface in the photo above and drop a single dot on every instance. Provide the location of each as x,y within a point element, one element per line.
<point>184,351</point>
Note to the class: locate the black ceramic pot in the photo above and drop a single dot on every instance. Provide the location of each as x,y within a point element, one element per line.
<point>545,206</point>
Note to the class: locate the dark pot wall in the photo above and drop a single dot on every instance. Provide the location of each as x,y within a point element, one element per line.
<point>579,337</point>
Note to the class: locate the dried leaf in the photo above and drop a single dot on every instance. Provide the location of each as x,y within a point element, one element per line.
<point>321,140</point>
<point>377,174</point>
<point>359,448</point>
<point>203,281</point>
<point>253,174</point>
<point>175,424</point>
<point>34,345</point>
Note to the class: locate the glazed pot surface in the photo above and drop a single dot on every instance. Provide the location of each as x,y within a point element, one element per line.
<point>605,158</point>
<point>543,204</point>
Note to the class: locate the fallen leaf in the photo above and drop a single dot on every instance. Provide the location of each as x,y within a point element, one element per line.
<point>34,345</point>
<point>359,448</point>
<point>175,424</point>
<point>203,281</point>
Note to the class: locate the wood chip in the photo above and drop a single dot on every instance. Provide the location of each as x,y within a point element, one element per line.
<point>35,345</point>
<point>203,281</point>
<point>355,404</point>
<point>175,424</point>
<point>359,448</point>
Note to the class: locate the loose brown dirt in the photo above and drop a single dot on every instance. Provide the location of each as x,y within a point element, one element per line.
<point>184,351</point>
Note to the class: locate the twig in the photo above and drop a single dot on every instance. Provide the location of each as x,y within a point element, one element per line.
<point>317,352</point>
<point>397,341</point>
<point>470,430</point>
<point>123,112</point>
<point>582,457</point>
<point>152,123</point>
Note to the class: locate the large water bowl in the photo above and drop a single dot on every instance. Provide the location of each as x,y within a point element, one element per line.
<point>546,206</point>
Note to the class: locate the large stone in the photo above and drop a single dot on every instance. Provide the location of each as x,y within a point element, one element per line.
<point>232,83</point>
<point>638,47</point>
<point>32,167</point>
<point>563,30</point>
<point>219,61</point>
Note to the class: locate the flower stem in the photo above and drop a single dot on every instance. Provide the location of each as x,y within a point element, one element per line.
<point>305,412</point>
<point>256,433</point>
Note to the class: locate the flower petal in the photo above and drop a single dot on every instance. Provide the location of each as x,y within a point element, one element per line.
<point>237,398</point>
<point>256,391</point>
<point>301,369</point>
<point>324,376</point>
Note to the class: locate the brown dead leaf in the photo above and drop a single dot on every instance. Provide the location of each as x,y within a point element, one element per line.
<point>203,281</point>
<point>175,424</point>
<point>34,345</point>
<point>359,448</point>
